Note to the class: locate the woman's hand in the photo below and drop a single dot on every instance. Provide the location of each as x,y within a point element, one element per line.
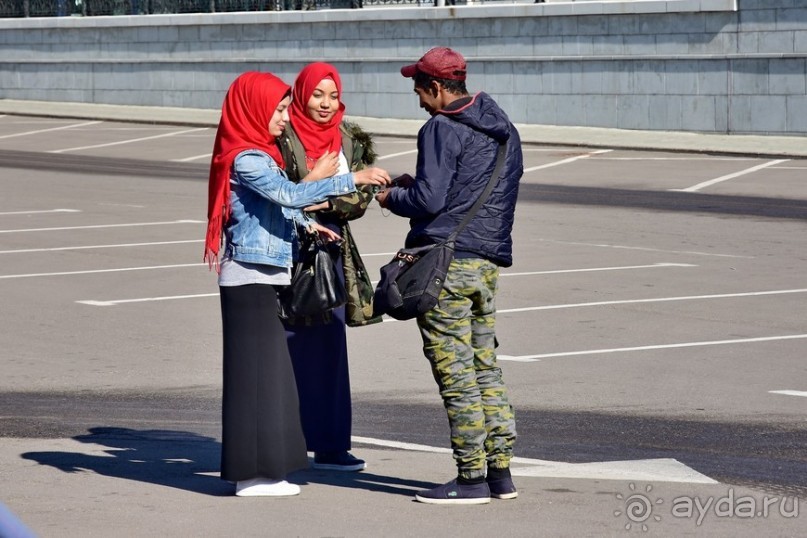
<point>372,176</point>
<point>325,233</point>
<point>317,207</point>
<point>326,166</point>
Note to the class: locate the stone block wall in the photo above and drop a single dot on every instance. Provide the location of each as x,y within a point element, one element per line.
<point>718,66</point>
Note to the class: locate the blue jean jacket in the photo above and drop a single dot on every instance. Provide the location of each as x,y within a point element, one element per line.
<point>266,206</point>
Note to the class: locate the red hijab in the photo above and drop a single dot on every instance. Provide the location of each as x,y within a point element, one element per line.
<point>317,138</point>
<point>245,114</point>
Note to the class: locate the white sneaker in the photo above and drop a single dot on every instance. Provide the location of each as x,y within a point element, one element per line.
<point>263,487</point>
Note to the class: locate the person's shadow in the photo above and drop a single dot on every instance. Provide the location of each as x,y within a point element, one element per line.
<point>189,461</point>
<point>177,459</point>
<point>362,480</point>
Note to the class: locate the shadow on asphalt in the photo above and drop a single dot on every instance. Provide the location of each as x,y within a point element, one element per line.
<point>770,453</point>
<point>184,460</point>
<point>164,457</point>
<point>362,480</point>
<point>755,206</point>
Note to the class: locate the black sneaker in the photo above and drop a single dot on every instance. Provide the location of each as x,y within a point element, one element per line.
<point>503,488</point>
<point>338,461</point>
<point>454,493</point>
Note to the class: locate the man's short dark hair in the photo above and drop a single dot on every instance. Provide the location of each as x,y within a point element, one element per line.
<point>422,80</point>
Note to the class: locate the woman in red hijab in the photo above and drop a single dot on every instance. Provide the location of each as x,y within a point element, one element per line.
<point>318,346</point>
<point>255,209</point>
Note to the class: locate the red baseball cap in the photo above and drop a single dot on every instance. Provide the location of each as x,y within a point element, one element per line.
<point>439,62</point>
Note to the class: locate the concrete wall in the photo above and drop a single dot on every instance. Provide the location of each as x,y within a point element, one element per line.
<point>724,66</point>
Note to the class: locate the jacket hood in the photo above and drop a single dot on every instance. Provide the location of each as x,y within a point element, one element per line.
<point>482,114</point>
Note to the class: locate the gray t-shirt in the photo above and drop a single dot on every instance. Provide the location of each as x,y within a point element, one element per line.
<point>235,273</point>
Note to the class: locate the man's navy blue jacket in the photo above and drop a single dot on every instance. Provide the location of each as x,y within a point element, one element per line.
<point>456,156</point>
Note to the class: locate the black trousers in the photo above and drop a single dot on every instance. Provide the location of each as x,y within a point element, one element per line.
<point>261,431</point>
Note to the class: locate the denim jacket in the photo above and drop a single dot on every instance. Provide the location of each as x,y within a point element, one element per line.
<point>266,206</point>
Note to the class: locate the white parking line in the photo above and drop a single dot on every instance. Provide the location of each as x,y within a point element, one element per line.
<point>90,247</point>
<point>511,358</point>
<point>391,155</point>
<point>590,269</point>
<point>530,358</point>
<point>73,126</point>
<point>379,254</point>
<point>40,211</point>
<point>616,268</point>
<point>801,393</point>
<point>566,161</point>
<point>699,186</point>
<point>194,158</point>
<point>692,158</point>
<point>653,300</point>
<point>94,302</point>
<point>131,141</point>
<point>659,470</point>
<point>646,249</point>
<point>96,226</point>
<point>146,299</point>
<point>96,271</point>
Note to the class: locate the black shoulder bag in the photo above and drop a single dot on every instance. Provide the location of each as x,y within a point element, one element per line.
<point>315,287</point>
<point>411,283</point>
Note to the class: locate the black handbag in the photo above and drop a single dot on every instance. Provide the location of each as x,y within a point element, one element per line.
<point>411,283</point>
<point>315,286</point>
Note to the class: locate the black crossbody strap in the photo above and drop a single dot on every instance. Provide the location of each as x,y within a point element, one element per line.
<point>497,170</point>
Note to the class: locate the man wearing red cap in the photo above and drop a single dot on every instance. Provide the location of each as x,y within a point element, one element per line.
<point>457,151</point>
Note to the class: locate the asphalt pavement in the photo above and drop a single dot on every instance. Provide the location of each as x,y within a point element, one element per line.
<point>690,455</point>
<point>784,146</point>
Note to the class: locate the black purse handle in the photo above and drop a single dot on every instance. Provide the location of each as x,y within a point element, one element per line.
<point>497,170</point>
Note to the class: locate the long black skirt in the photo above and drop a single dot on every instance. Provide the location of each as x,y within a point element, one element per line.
<point>319,356</point>
<point>261,431</point>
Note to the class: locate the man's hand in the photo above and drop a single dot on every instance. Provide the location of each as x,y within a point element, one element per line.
<point>404,180</point>
<point>381,198</point>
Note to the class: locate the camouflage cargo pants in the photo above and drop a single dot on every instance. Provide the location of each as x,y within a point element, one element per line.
<point>459,340</point>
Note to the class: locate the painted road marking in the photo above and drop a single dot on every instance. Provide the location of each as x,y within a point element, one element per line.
<point>146,299</point>
<point>801,393</point>
<point>658,470</point>
<point>35,212</point>
<point>693,158</point>
<point>130,141</point>
<point>391,155</point>
<point>94,302</point>
<point>567,161</point>
<point>511,358</point>
<point>194,158</point>
<point>653,300</point>
<point>96,226</point>
<point>96,271</point>
<point>531,358</point>
<point>591,269</point>
<point>647,249</point>
<point>594,269</point>
<point>699,186</point>
<point>63,127</point>
<point>90,247</point>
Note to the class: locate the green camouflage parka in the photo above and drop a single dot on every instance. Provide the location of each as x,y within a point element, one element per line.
<point>357,145</point>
